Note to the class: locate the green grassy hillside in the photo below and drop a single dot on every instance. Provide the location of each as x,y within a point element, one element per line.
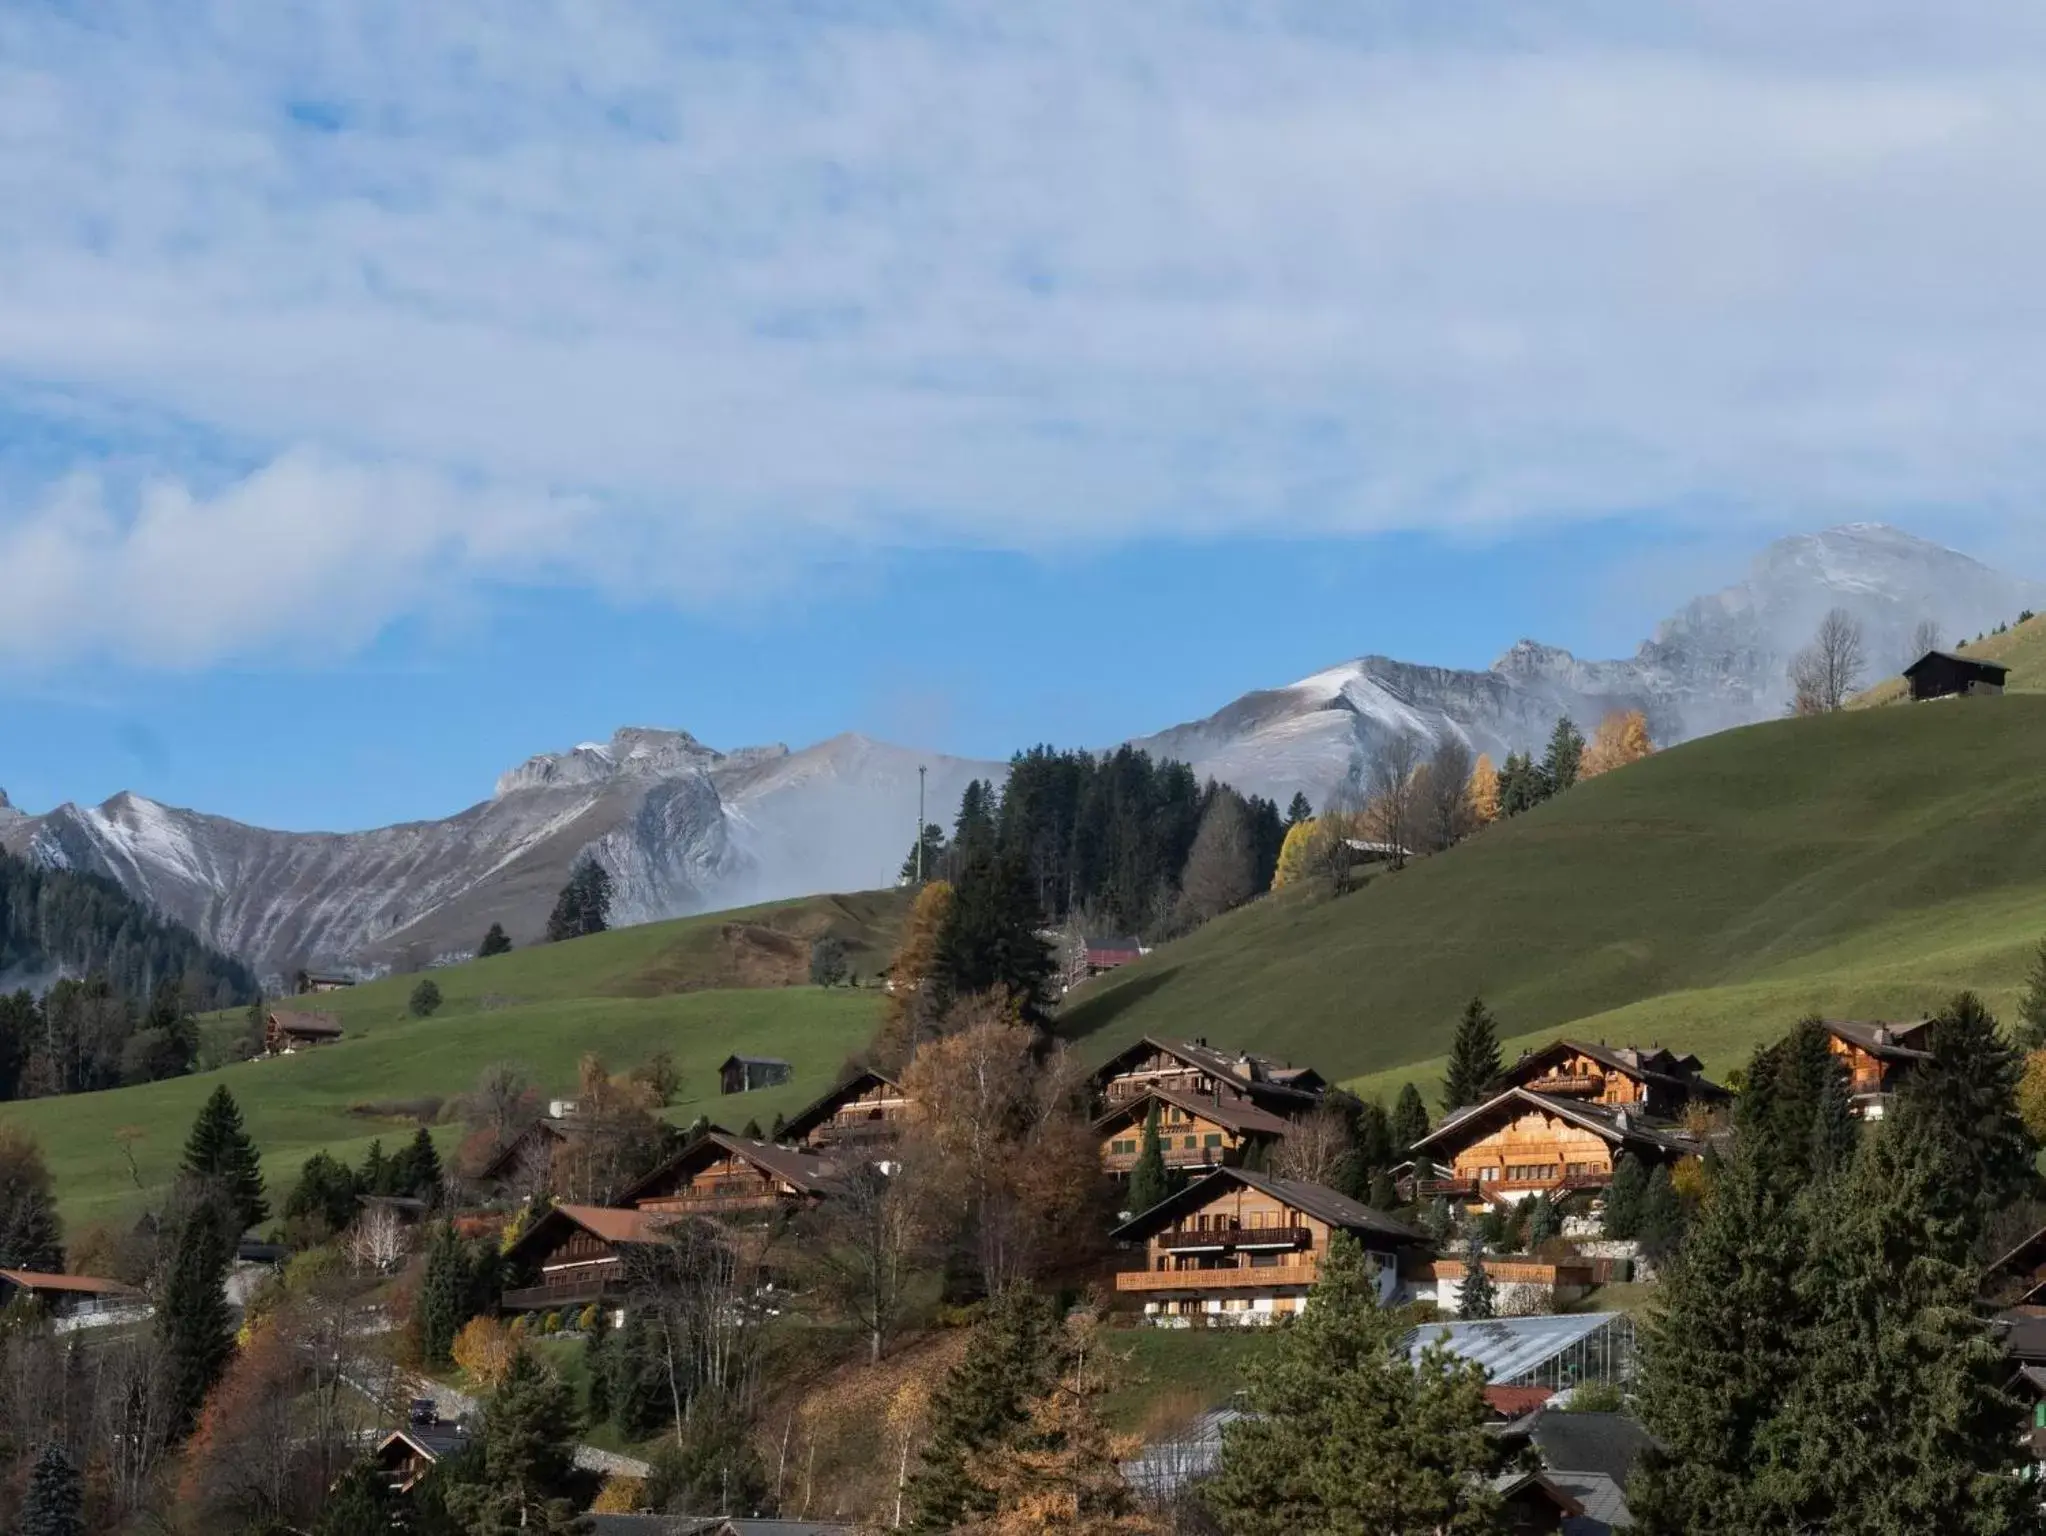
<point>679,987</point>
<point>1868,864</point>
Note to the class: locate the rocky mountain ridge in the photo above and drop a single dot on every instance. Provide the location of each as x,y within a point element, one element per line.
<point>685,827</point>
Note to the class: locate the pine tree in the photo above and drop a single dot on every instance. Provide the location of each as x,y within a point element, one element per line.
<point>528,1438</point>
<point>220,1151</point>
<point>925,860</point>
<point>55,1505</point>
<point>1662,1214</point>
<point>597,1370</point>
<point>1963,1105</point>
<point>1564,761</point>
<point>443,1304</point>
<point>1149,1182</point>
<point>1476,1296</point>
<point>584,905</point>
<point>425,1000</point>
<point>325,1194</point>
<point>495,942</point>
<point>416,1170</point>
<point>1010,1359</point>
<point>360,1504</point>
<point>1474,1063</point>
<point>192,1317</point>
<point>1794,1112</point>
<point>1719,1354</point>
<point>1624,1199</point>
<point>1543,1222</point>
<point>31,1237</point>
<point>375,1178</point>
<point>1409,1121</point>
<point>990,942</point>
<point>1897,1418</point>
<point>1298,811</point>
<point>639,1393</point>
<point>1347,1435</point>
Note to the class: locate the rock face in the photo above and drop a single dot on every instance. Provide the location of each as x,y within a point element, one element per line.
<point>1721,661</point>
<point>683,827</point>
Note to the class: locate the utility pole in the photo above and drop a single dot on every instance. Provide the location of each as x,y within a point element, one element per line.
<point>920,770</point>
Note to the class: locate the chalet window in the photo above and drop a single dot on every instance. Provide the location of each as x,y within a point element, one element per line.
<point>1488,1175</point>
<point>1190,1142</point>
<point>1264,1261</point>
<point>1212,1139</point>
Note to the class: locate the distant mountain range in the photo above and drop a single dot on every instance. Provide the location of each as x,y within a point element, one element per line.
<point>686,828</point>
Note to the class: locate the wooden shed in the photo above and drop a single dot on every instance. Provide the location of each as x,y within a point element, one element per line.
<point>1943,675</point>
<point>743,1074</point>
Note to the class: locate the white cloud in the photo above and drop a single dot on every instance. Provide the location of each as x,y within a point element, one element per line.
<point>662,298</point>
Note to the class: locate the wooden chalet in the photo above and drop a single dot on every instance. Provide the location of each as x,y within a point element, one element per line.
<point>1658,1081</point>
<point>579,1252</point>
<point>1191,1068</point>
<point>1244,1247</point>
<point>719,1174</point>
<point>1553,1285</point>
<point>404,1456</point>
<point>1877,1056</point>
<point>1943,675</point>
<point>286,1030</point>
<point>310,982</point>
<point>1111,954</point>
<point>528,1157</point>
<point>1211,1132</point>
<point>68,1295</point>
<point>1521,1143</point>
<point>744,1074</point>
<point>867,1108</point>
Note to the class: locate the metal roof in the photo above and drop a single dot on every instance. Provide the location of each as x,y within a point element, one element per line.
<point>1510,1347</point>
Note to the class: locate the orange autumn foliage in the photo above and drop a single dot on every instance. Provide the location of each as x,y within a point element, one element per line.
<point>1621,738</point>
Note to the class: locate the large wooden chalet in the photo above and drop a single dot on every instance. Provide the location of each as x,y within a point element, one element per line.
<point>719,1174</point>
<point>1244,1247</point>
<point>866,1109</point>
<point>1877,1057</point>
<point>1520,1143</point>
<point>580,1254</point>
<point>1191,1068</point>
<point>1656,1081</point>
<point>1211,1132</point>
<point>286,1030</point>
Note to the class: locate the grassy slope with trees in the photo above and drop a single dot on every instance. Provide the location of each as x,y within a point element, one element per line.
<point>2022,648</point>
<point>623,994</point>
<point>1867,864</point>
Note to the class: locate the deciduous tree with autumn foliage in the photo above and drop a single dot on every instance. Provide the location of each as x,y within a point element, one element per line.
<point>1622,738</point>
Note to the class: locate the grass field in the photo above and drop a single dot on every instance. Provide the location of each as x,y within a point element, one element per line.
<point>1865,864</point>
<point>624,995</point>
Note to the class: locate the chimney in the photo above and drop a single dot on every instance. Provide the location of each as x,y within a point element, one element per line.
<point>1882,1034</point>
<point>1622,1121</point>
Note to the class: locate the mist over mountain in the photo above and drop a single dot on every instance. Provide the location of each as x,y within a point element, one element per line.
<point>685,827</point>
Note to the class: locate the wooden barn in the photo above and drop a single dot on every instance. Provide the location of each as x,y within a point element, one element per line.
<point>744,1074</point>
<point>1943,675</point>
<point>285,1030</point>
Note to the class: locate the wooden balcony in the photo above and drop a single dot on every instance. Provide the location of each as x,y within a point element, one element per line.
<point>576,1290</point>
<point>1175,1157</point>
<point>1429,1188</point>
<point>1238,1237</point>
<point>1568,1087</point>
<point>834,1132</point>
<point>1237,1278</point>
<point>689,1204</point>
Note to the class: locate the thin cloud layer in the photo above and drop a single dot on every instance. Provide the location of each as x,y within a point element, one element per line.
<point>419,299</point>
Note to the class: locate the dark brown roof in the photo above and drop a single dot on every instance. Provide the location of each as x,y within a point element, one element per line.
<point>1885,1042</point>
<point>1239,1115</point>
<point>1618,1124</point>
<point>293,1022</point>
<point>610,1223</point>
<point>1316,1200</point>
<point>751,1061</point>
<point>85,1285</point>
<point>1651,1066</point>
<point>828,1104</point>
<point>809,1173</point>
<point>1972,663</point>
<point>1251,1073</point>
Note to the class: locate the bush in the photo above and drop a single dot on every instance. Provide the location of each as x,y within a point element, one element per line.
<point>827,962</point>
<point>1596,1397</point>
<point>425,998</point>
<point>484,1350</point>
<point>518,1326</point>
<point>620,1495</point>
<point>551,1323</point>
<point>591,1319</point>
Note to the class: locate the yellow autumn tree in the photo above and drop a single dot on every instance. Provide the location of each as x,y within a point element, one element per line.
<point>1621,738</point>
<point>1484,792</point>
<point>484,1350</point>
<point>914,1003</point>
<point>620,1495</point>
<point>2032,1095</point>
<point>1294,853</point>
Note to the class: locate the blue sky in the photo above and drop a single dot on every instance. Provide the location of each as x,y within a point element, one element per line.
<point>388,392</point>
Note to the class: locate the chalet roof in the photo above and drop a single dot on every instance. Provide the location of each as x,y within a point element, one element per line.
<point>2032,1376</point>
<point>433,1441</point>
<point>1885,1042</point>
<point>608,1223</point>
<point>834,1099</point>
<point>1114,944</point>
<point>550,1128</point>
<point>307,1022</point>
<point>83,1285</point>
<point>806,1171</point>
<point>1656,1065</point>
<point>1608,1443</point>
<point>2022,1333</point>
<point>1620,1125</point>
<point>1249,1072</point>
<point>1316,1200</point>
<point>751,1061</point>
<point>1507,1484</point>
<point>1975,664</point>
<point>1603,1500</point>
<point>1239,1115</point>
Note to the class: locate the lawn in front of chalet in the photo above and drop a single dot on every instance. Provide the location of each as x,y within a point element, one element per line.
<point>296,1105</point>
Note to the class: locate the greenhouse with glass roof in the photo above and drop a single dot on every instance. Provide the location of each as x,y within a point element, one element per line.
<point>1553,1352</point>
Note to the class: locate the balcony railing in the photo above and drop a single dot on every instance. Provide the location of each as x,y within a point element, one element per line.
<point>858,1130</point>
<point>1429,1187</point>
<point>1175,1157</point>
<point>1563,1184</point>
<point>1238,1237</point>
<point>579,1290</point>
<point>1566,1086</point>
<point>1239,1278</point>
<point>700,1204</point>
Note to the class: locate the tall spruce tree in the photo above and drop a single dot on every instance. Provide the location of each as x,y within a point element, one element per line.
<point>1476,1296</point>
<point>1662,1214</point>
<point>1348,1435</point>
<point>360,1504</point>
<point>1298,811</point>
<point>528,1439</point>
<point>1149,1182</point>
<point>1409,1121</point>
<point>1564,760</point>
<point>219,1152</point>
<point>1719,1354</point>
<point>444,1295</point>
<point>192,1318</point>
<point>639,1389</point>
<point>1474,1063</point>
<point>990,941</point>
<point>55,1505</point>
<point>1011,1358</point>
<point>416,1170</point>
<point>1962,1105</point>
<point>597,1353</point>
<point>1624,1197</point>
<point>31,1237</point>
<point>495,942</point>
<point>1794,1111</point>
<point>1896,1417</point>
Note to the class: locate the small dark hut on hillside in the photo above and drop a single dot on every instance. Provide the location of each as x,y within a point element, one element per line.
<point>743,1074</point>
<point>289,1031</point>
<point>1943,675</point>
